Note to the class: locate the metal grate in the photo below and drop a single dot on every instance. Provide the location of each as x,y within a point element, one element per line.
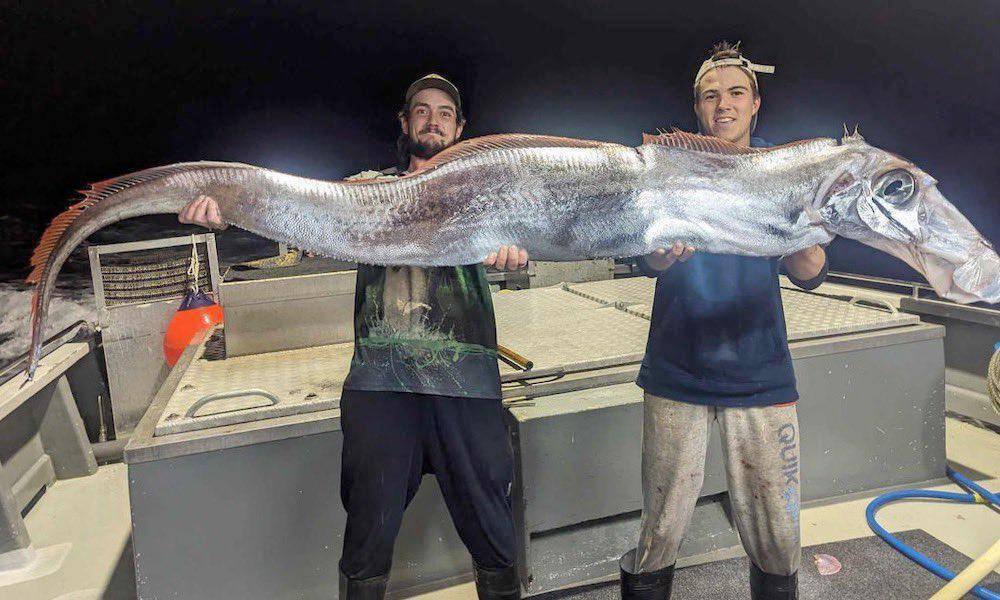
<point>150,275</point>
<point>137,290</point>
<point>143,272</point>
<point>215,347</point>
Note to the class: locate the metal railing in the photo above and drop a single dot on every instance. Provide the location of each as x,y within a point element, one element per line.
<point>912,288</point>
<point>75,332</point>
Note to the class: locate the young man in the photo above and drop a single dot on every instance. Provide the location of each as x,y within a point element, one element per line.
<point>423,392</point>
<point>718,351</point>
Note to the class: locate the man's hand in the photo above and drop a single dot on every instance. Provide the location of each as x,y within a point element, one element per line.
<point>203,211</point>
<point>507,258</point>
<point>807,263</point>
<point>662,258</point>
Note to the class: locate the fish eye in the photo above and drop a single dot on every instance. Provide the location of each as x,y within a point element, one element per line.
<point>895,187</point>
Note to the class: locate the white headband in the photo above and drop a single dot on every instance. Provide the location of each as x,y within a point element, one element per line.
<point>751,68</point>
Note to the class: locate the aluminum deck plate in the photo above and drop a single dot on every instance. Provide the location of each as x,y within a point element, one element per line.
<point>556,328</point>
<point>621,292</point>
<point>559,326</point>
<point>303,380</point>
<point>807,315</point>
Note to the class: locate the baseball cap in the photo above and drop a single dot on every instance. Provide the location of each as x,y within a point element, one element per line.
<point>433,80</point>
<point>749,67</point>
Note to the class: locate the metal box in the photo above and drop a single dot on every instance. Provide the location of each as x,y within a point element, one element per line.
<point>291,312</point>
<point>249,507</point>
<point>871,415</point>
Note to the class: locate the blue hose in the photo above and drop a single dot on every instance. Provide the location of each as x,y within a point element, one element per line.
<point>980,495</point>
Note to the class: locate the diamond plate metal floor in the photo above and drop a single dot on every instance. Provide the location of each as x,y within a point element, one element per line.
<point>558,326</point>
<point>303,380</point>
<point>808,315</point>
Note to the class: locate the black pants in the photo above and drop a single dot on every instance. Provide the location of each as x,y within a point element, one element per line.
<point>390,440</point>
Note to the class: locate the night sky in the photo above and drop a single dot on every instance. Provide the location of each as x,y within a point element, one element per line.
<point>100,89</point>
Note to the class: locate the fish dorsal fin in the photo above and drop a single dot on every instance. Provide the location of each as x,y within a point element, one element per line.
<point>504,141</point>
<point>694,141</point>
<point>704,143</point>
<point>99,191</point>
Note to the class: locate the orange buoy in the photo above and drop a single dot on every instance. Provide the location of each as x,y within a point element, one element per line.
<point>195,316</point>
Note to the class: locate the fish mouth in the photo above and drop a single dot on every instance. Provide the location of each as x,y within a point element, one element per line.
<point>980,276</point>
<point>972,277</point>
<point>959,263</point>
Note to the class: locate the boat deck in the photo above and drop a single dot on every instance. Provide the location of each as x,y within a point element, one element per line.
<point>87,522</point>
<point>82,528</point>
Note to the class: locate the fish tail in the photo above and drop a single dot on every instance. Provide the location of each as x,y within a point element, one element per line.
<point>72,226</point>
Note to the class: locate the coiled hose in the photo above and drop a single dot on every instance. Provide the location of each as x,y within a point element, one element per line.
<point>979,495</point>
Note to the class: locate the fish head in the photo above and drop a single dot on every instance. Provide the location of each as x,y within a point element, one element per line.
<point>888,203</point>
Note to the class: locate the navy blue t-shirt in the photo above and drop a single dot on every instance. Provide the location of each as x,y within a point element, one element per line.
<point>717,335</point>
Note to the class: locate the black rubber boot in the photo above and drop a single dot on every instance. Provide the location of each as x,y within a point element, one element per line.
<point>372,588</point>
<point>764,586</point>
<point>497,584</point>
<point>655,585</point>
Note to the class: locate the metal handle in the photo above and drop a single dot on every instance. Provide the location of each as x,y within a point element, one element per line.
<point>878,301</point>
<point>227,395</point>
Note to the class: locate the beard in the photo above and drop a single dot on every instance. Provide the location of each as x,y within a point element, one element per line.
<point>407,145</point>
<point>426,148</point>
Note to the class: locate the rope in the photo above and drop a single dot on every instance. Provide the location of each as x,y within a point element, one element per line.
<point>993,379</point>
<point>194,271</point>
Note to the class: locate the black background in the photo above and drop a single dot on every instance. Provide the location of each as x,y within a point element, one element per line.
<point>93,90</point>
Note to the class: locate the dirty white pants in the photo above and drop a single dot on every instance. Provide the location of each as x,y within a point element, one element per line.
<point>761,448</point>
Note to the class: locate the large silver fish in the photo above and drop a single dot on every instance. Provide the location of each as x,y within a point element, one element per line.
<point>566,199</point>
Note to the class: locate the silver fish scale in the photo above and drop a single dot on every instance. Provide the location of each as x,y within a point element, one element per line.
<point>567,200</point>
<point>560,202</point>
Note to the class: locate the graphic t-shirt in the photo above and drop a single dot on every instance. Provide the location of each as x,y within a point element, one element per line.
<point>424,330</point>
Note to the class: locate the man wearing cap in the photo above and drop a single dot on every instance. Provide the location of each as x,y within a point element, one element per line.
<point>423,392</point>
<point>718,351</point>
